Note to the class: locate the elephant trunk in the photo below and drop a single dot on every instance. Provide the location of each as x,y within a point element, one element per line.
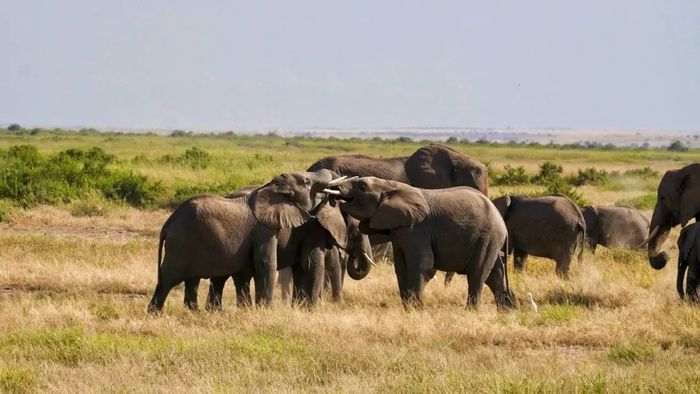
<point>360,259</point>
<point>659,229</point>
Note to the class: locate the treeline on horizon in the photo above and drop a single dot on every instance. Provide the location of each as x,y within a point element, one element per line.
<point>675,146</point>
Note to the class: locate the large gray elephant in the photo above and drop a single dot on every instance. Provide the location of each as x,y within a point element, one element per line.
<point>210,236</point>
<point>615,227</point>
<point>456,230</point>
<point>547,226</point>
<point>433,166</point>
<point>677,201</point>
<point>309,255</point>
<point>689,259</point>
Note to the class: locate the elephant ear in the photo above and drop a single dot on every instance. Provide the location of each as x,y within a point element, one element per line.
<point>689,197</point>
<point>404,206</point>
<point>590,215</point>
<point>332,220</point>
<point>431,167</point>
<point>502,203</point>
<point>274,210</point>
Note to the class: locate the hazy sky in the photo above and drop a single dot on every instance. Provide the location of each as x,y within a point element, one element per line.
<point>236,64</point>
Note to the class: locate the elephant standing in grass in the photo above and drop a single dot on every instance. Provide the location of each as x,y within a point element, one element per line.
<point>433,166</point>
<point>689,259</point>
<point>209,236</point>
<point>615,227</point>
<point>456,229</point>
<point>310,255</point>
<point>677,201</point>
<point>547,226</point>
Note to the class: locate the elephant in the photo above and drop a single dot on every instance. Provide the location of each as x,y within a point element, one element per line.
<point>689,259</point>
<point>677,201</point>
<point>615,227</point>
<point>433,166</point>
<point>309,256</point>
<point>547,226</point>
<point>209,236</point>
<point>455,230</point>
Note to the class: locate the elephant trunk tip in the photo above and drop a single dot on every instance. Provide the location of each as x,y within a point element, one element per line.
<point>659,261</point>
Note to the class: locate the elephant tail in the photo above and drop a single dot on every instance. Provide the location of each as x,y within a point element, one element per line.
<point>505,261</point>
<point>161,242</point>
<point>580,240</point>
<point>682,266</point>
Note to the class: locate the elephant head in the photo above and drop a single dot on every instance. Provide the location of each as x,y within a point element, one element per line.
<point>383,205</point>
<point>677,201</point>
<point>502,203</point>
<point>437,166</point>
<point>290,199</point>
<point>359,251</point>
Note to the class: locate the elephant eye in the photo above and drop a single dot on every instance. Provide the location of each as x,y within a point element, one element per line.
<point>362,187</point>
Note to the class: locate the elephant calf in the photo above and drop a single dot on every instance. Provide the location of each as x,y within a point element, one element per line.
<point>615,227</point>
<point>689,259</point>
<point>547,226</point>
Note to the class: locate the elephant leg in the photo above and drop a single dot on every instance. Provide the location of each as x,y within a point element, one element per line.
<point>216,292</point>
<point>692,281</point>
<point>498,284</point>
<point>316,274</point>
<point>191,287</point>
<point>284,278</point>
<point>265,269</point>
<point>448,278</point>
<point>519,258</point>
<point>242,282</point>
<point>563,264</point>
<point>419,262</point>
<point>479,268</point>
<point>334,274</point>
<point>400,270</point>
<point>160,294</point>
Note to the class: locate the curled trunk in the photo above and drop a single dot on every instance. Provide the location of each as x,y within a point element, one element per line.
<point>660,227</point>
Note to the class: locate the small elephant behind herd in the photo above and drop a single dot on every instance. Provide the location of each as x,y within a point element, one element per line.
<point>432,206</point>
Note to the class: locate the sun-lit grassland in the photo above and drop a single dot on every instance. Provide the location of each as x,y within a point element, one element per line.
<point>74,284</point>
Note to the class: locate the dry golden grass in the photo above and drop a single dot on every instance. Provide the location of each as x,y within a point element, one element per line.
<point>75,281</point>
<point>73,295</point>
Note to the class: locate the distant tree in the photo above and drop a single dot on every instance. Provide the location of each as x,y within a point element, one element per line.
<point>677,146</point>
<point>452,140</point>
<point>14,127</point>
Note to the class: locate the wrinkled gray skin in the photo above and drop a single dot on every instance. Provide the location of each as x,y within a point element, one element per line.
<point>677,201</point>
<point>615,227</point>
<point>456,230</point>
<point>689,259</point>
<point>433,166</point>
<point>547,226</point>
<point>210,236</point>
<point>309,254</point>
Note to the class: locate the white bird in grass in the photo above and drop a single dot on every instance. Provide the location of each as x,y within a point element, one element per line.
<point>533,305</point>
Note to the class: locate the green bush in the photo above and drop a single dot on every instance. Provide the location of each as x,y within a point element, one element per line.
<point>194,158</point>
<point>512,176</point>
<point>646,173</point>
<point>29,178</point>
<point>548,172</point>
<point>588,176</point>
<point>559,186</point>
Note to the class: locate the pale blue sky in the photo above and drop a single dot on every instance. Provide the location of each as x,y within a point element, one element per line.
<point>258,64</point>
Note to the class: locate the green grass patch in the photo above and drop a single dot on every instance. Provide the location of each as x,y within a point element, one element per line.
<point>646,201</point>
<point>547,315</point>
<point>269,344</point>
<point>632,352</point>
<point>15,379</point>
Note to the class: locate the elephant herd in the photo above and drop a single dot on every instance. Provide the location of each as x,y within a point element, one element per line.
<point>433,207</point>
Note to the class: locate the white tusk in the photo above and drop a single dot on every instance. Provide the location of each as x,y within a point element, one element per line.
<point>369,259</point>
<point>341,180</point>
<point>333,192</point>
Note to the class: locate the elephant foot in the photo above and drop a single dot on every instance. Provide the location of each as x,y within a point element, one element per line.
<point>506,301</point>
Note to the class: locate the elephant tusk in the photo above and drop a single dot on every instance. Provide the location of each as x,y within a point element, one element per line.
<point>369,259</point>
<point>332,192</point>
<point>341,180</point>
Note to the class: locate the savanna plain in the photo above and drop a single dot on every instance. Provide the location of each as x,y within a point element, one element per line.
<point>78,246</point>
